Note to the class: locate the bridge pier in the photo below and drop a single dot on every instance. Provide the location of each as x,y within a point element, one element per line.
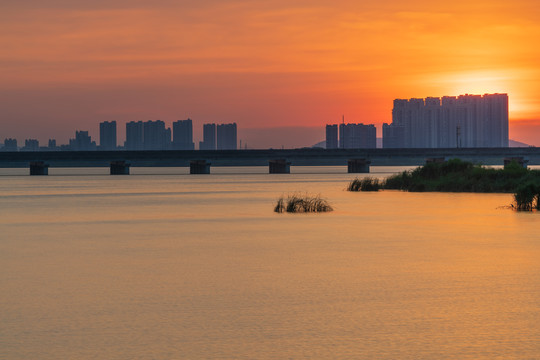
<point>358,166</point>
<point>119,167</point>
<point>39,168</point>
<point>199,167</point>
<point>519,159</point>
<point>436,160</point>
<point>279,166</point>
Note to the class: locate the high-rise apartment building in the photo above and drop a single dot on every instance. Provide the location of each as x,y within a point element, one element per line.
<point>331,136</point>
<point>156,136</point>
<point>82,142</point>
<point>107,135</point>
<point>209,137</point>
<point>183,135</point>
<point>134,136</point>
<point>52,145</point>
<point>463,121</point>
<point>10,145</point>
<point>351,136</point>
<point>147,135</point>
<point>226,137</point>
<point>31,145</point>
<point>357,136</point>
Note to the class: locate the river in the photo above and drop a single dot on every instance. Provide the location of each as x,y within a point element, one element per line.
<point>165,265</point>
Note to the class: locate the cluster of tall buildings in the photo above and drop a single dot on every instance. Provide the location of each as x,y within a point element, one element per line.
<point>153,135</point>
<point>33,144</point>
<point>447,122</point>
<point>82,142</point>
<point>219,137</point>
<point>351,136</point>
<point>150,135</point>
<point>142,135</point>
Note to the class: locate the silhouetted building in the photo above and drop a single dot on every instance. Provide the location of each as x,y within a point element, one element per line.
<point>183,135</point>
<point>357,136</point>
<point>331,136</point>
<point>107,135</point>
<point>82,142</point>
<point>463,121</point>
<point>31,145</point>
<point>134,136</point>
<point>156,136</point>
<point>393,136</point>
<point>209,137</point>
<point>10,145</point>
<point>226,137</point>
<point>52,145</point>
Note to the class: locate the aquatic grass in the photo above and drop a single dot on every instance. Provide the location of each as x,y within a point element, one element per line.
<point>280,206</point>
<point>365,184</point>
<point>461,176</point>
<point>302,203</point>
<point>456,175</point>
<point>527,197</point>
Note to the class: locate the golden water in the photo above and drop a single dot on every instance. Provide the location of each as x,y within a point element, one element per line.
<point>164,265</point>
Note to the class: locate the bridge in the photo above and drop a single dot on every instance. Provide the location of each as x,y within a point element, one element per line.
<point>297,157</point>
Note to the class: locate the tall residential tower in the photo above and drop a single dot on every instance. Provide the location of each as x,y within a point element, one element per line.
<point>156,136</point>
<point>331,136</point>
<point>107,135</point>
<point>134,135</point>
<point>226,137</point>
<point>183,135</point>
<point>209,137</point>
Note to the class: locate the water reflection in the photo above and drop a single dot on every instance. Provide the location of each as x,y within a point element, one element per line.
<point>172,266</point>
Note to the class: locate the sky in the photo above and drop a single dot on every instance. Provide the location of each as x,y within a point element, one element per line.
<point>284,68</point>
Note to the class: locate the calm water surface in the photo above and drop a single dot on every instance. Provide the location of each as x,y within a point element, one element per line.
<point>165,265</point>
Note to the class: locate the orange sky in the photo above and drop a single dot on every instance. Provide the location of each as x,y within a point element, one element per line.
<point>70,64</point>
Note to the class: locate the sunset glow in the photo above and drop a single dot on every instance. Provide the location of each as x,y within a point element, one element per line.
<point>69,64</point>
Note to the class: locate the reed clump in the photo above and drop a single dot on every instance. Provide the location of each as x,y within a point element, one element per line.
<point>365,184</point>
<point>527,197</point>
<point>302,203</point>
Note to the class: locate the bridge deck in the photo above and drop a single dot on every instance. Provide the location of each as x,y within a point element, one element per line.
<point>298,157</point>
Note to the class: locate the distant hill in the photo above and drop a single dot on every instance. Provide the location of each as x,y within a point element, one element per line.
<point>321,144</point>
<point>511,143</point>
<point>514,143</point>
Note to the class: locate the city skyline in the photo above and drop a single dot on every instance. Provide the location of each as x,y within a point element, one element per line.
<point>314,135</point>
<point>466,120</point>
<point>264,65</point>
<point>451,121</point>
<point>140,135</point>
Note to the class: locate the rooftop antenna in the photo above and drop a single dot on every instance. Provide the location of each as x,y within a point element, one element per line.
<point>342,132</point>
